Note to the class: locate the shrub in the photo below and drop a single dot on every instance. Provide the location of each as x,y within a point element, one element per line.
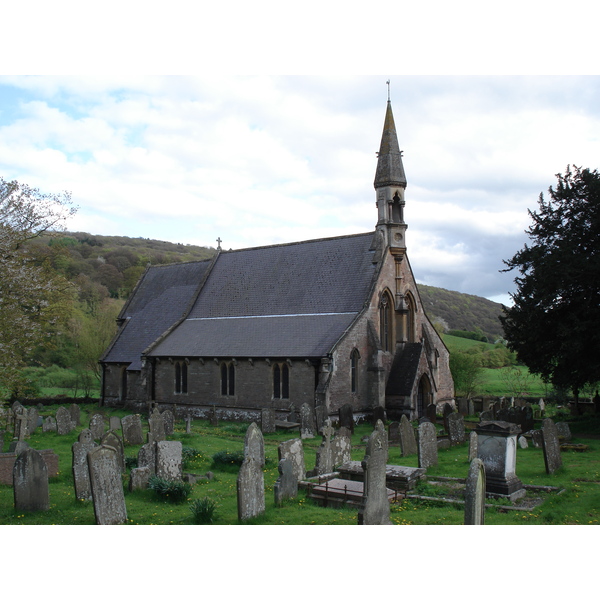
<point>189,455</point>
<point>173,491</point>
<point>203,510</point>
<point>224,458</point>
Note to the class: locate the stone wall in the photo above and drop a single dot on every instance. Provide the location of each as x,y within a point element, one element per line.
<point>7,462</point>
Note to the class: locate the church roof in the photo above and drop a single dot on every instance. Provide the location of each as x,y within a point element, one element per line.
<point>390,170</point>
<point>290,300</point>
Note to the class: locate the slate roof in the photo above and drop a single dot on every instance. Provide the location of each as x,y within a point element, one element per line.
<point>290,300</point>
<point>160,299</point>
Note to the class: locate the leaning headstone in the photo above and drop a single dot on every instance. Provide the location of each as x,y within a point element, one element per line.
<point>75,415</point>
<point>64,425</point>
<point>475,494</point>
<point>563,429</point>
<point>169,420</point>
<point>456,428</point>
<point>49,424</point>
<point>324,457</point>
<point>96,425</point>
<point>30,482</point>
<point>551,446</point>
<point>427,446</point>
<point>375,508</point>
<point>147,457</point>
<point>81,474</point>
<point>472,445</point>
<point>307,422</point>
<point>169,456</point>
<point>267,420</point>
<point>408,443</point>
<point>156,425</point>
<point>21,425</point>
<point>394,433</point>
<point>139,478</point>
<point>131,426</point>
<point>346,417</point>
<point>286,485</point>
<point>107,486</point>
<point>293,451</point>
<point>250,489</point>
<point>111,438</point>
<point>254,445</point>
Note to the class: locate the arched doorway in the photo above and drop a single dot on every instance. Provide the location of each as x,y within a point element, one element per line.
<point>423,396</point>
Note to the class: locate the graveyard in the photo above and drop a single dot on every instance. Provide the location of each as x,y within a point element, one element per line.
<point>211,459</point>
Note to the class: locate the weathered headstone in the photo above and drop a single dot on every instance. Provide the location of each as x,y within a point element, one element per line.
<point>75,415</point>
<point>267,420</point>
<point>169,456</point>
<point>293,414</point>
<point>320,417</point>
<point>169,420</point>
<point>431,413</point>
<point>32,419</point>
<point>254,444</point>
<point>563,430</point>
<point>49,424</point>
<point>475,494</point>
<point>551,446</point>
<point>286,485</point>
<point>523,443</point>
<point>542,405</point>
<point>346,417</point>
<point>408,443</point>
<point>114,423</point>
<point>30,482</point>
<point>324,457</point>
<point>536,438</point>
<point>139,478</point>
<point>188,423</point>
<point>21,424</point>
<point>64,425</point>
<point>131,426</point>
<point>486,415</point>
<point>341,448</point>
<point>156,425</point>
<point>446,410</point>
<point>307,422</point>
<point>375,508</point>
<point>528,421</point>
<point>212,417</point>
<point>147,457</point>
<point>472,445</point>
<point>107,486</point>
<point>456,428</point>
<point>250,489</point>
<point>293,451</point>
<point>96,425</point>
<point>394,433</point>
<point>81,474</point>
<point>111,438</point>
<point>427,445</point>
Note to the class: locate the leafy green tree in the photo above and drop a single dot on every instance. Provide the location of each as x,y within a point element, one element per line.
<point>554,322</point>
<point>466,373</point>
<point>33,298</point>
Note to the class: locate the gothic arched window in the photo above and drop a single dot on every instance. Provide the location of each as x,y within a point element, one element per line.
<point>354,356</point>
<point>281,381</point>
<point>227,379</point>
<point>181,376</point>
<point>386,322</point>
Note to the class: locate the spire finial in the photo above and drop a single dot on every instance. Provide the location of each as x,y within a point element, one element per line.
<point>388,84</point>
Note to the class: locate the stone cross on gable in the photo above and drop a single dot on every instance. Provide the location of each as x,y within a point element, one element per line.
<point>219,240</point>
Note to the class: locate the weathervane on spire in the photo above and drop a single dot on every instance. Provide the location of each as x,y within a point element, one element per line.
<point>388,84</point>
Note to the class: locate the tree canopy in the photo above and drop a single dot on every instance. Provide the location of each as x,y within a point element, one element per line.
<point>554,324</point>
<point>32,297</point>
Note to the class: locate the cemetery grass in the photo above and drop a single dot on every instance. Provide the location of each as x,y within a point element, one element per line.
<point>577,504</point>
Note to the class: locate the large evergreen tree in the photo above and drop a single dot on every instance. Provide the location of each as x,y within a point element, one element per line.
<point>554,324</point>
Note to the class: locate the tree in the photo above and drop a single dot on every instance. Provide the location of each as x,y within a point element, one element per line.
<point>466,373</point>
<point>32,297</point>
<point>554,324</point>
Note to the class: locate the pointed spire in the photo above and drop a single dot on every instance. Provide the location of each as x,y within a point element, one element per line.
<point>390,170</point>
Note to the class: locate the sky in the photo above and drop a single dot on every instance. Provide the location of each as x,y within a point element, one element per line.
<point>258,159</point>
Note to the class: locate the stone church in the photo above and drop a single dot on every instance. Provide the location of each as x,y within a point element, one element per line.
<point>327,322</point>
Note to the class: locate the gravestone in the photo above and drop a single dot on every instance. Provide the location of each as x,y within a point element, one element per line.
<point>293,414</point>
<point>21,425</point>
<point>188,423</point>
<point>375,508</point>
<point>472,445</point>
<point>536,438</point>
<point>346,417</point>
<point>431,413</point>
<point>307,422</point>
<point>250,489</point>
<point>486,415</point>
<point>64,425</point>
<point>114,423</point>
<point>49,424</point>
<point>147,457</point>
<point>32,420</point>
<point>286,485</point>
<point>551,446</point>
<point>131,426</point>
<point>408,443</point>
<point>293,451</point>
<point>156,425</point>
<point>475,494</point>
<point>324,457</point>
<point>528,422</point>
<point>75,415</point>
<point>542,405</point>
<point>96,425</point>
<point>30,482</point>
<point>169,420</point>
<point>523,442</point>
<point>456,428</point>
<point>320,417</point>
<point>563,429</point>
<point>427,446</point>
<point>81,474</point>
<point>111,438</point>
<point>254,445</point>
<point>446,410</point>
<point>139,478</point>
<point>212,417</point>
<point>341,449</point>
<point>169,456</point>
<point>394,433</point>
<point>107,486</point>
<point>267,420</point>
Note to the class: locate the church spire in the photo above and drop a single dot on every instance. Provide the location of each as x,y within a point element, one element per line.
<point>390,170</point>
